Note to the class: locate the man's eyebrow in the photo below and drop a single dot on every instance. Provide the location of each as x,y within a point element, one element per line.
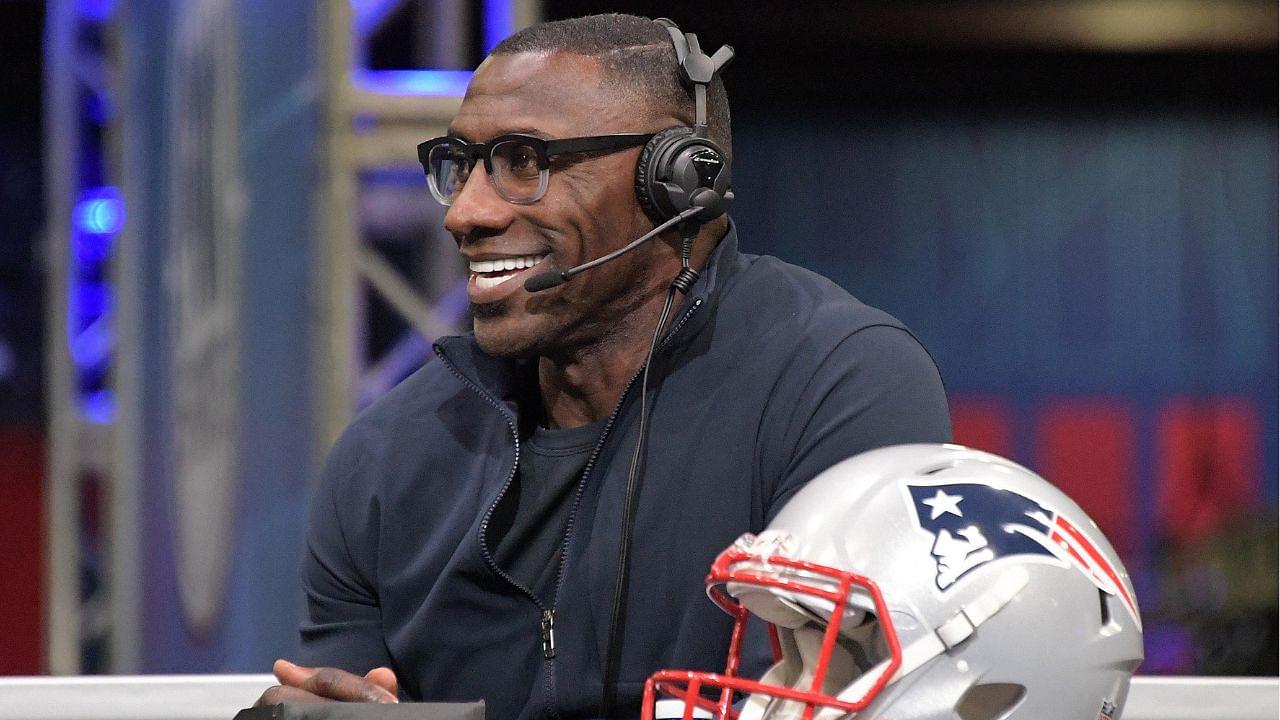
<point>534,132</point>
<point>527,131</point>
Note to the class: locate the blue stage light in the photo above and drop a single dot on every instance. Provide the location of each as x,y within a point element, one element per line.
<point>499,22</point>
<point>98,407</point>
<point>432,83</point>
<point>100,211</point>
<point>97,10</point>
<point>90,342</point>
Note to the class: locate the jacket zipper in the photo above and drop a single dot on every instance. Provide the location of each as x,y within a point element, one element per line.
<point>595,453</point>
<point>548,637</point>
<point>546,619</point>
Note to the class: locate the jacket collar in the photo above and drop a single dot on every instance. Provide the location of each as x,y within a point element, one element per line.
<point>503,379</point>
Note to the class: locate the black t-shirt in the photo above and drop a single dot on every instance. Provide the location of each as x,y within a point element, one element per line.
<point>530,520</point>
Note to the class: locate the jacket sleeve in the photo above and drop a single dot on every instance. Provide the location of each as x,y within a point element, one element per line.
<point>877,387</point>
<point>342,627</point>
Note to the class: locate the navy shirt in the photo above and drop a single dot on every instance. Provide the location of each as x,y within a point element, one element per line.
<point>528,527</point>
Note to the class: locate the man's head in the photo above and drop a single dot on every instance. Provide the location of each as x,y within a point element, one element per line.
<point>637,59</point>
<point>599,75</point>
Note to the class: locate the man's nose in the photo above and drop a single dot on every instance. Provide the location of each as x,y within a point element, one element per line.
<point>478,207</point>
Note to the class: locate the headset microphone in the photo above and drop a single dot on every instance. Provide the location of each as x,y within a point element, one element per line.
<point>552,278</point>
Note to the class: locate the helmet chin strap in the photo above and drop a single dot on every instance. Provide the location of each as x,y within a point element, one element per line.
<point>944,637</point>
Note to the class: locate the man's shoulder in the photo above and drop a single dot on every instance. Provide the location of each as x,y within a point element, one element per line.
<point>800,299</point>
<point>411,408</point>
<point>795,321</point>
<point>425,387</point>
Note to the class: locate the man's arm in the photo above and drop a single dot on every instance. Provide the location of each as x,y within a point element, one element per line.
<point>877,387</point>
<point>342,631</point>
<point>343,624</point>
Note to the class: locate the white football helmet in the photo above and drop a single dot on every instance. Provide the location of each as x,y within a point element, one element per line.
<point>923,582</point>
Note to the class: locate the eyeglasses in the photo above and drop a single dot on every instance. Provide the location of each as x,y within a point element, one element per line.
<point>518,166</point>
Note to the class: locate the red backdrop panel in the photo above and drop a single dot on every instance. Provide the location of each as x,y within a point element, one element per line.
<point>984,423</point>
<point>1208,471</point>
<point>21,551</point>
<point>1087,448</point>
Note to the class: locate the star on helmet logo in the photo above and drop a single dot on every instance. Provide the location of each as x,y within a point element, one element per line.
<point>943,503</point>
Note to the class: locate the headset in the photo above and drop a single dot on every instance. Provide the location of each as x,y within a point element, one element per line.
<point>682,177</point>
<point>681,168</point>
<point>683,180</point>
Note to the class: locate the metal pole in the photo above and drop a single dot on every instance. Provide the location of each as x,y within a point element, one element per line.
<point>124,593</point>
<point>63,621</point>
<point>334,276</point>
<point>444,33</point>
<point>528,12</point>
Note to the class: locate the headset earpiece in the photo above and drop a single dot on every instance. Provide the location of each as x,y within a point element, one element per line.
<point>680,168</point>
<point>677,171</point>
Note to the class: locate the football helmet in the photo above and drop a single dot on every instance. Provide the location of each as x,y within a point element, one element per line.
<point>923,582</point>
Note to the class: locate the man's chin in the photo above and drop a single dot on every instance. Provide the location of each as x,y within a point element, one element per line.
<point>503,337</point>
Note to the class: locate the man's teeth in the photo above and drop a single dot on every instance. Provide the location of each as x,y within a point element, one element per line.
<point>503,264</point>
<point>504,269</point>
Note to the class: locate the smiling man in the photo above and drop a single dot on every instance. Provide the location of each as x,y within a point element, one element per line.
<point>589,335</point>
<point>467,539</point>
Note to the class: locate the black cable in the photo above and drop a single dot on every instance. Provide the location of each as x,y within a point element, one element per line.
<point>682,283</point>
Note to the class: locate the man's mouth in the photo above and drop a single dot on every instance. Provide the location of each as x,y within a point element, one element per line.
<point>491,273</point>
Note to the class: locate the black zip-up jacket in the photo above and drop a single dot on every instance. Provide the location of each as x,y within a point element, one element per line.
<point>769,375</point>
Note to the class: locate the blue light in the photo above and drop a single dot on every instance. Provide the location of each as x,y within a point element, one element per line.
<point>100,211</point>
<point>97,10</point>
<point>91,346</point>
<point>98,407</point>
<point>93,300</point>
<point>431,83</point>
<point>369,14</point>
<point>499,22</point>
<point>90,249</point>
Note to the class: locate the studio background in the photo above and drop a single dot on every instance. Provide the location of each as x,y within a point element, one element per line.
<point>214,252</point>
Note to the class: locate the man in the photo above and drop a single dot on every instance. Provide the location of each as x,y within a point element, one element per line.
<point>465,539</point>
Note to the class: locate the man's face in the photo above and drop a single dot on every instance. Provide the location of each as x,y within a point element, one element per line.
<point>589,208</point>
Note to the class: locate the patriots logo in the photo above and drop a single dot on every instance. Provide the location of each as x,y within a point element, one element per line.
<point>973,524</point>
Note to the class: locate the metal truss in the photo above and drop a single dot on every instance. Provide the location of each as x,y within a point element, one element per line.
<point>376,119</point>
<point>85,217</point>
<point>370,190</point>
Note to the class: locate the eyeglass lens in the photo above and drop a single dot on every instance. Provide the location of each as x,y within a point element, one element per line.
<point>516,174</point>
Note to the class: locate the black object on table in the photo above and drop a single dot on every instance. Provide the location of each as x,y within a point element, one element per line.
<point>365,711</point>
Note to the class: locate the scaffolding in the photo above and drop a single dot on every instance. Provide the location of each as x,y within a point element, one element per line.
<point>371,121</point>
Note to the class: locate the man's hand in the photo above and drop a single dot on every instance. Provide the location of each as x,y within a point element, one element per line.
<point>300,684</point>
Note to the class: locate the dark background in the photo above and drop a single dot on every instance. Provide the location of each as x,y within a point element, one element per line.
<point>21,212</point>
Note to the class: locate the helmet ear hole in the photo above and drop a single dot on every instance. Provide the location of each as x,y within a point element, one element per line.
<point>991,701</point>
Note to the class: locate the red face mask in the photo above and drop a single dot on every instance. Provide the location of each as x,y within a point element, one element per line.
<point>744,565</point>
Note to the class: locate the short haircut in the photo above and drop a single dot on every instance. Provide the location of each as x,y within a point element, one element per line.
<point>635,53</point>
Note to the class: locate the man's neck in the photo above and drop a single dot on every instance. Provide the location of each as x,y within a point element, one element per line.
<point>585,385</point>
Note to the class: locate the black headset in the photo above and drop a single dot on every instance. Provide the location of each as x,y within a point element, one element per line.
<point>682,179</point>
<point>681,167</point>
